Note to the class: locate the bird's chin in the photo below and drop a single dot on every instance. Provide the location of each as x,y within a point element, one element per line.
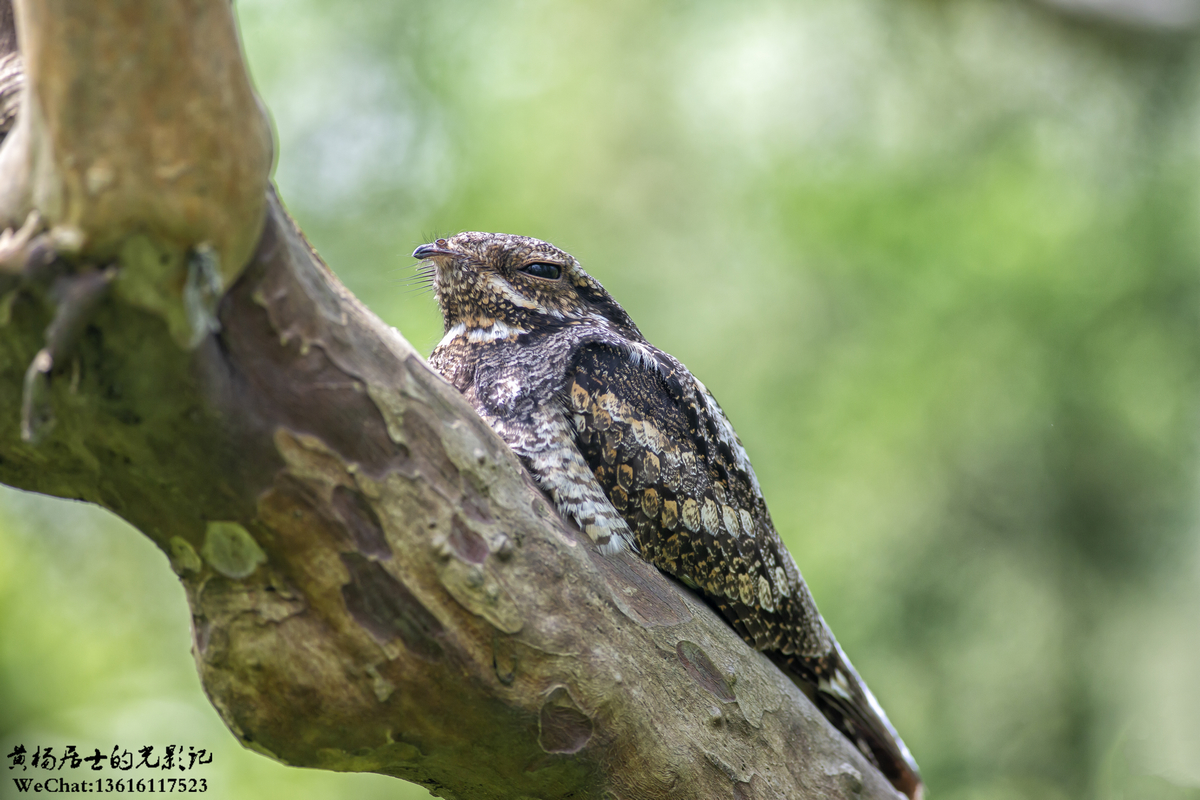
<point>447,271</point>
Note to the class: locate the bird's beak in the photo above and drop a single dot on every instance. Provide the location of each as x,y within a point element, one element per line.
<point>433,250</point>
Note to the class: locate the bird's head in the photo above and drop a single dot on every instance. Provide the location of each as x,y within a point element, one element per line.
<point>525,284</point>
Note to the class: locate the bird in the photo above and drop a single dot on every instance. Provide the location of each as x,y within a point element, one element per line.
<point>632,447</point>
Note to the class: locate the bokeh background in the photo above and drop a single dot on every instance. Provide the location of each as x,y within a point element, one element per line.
<point>939,261</point>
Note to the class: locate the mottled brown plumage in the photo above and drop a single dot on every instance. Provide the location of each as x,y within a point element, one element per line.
<point>630,445</point>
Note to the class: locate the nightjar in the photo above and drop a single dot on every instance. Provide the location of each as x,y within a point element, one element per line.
<point>633,448</point>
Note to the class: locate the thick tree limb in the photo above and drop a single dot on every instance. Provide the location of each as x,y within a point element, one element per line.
<point>375,583</point>
<point>1155,17</point>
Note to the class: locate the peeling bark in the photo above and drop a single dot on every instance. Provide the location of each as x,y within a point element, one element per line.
<point>375,582</point>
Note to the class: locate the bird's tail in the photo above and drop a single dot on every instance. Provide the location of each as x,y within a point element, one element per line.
<point>843,697</point>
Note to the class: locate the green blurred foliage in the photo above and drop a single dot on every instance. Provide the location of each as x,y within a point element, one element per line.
<point>939,261</point>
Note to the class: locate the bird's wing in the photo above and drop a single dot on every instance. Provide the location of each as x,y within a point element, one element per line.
<point>669,462</point>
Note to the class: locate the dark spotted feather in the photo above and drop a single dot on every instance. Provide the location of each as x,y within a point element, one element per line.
<point>648,434</point>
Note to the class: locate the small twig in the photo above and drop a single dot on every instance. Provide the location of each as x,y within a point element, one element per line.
<point>77,296</point>
<point>14,245</point>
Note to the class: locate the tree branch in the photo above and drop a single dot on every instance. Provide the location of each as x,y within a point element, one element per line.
<point>375,582</point>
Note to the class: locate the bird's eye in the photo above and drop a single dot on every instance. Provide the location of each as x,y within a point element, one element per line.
<point>550,272</point>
